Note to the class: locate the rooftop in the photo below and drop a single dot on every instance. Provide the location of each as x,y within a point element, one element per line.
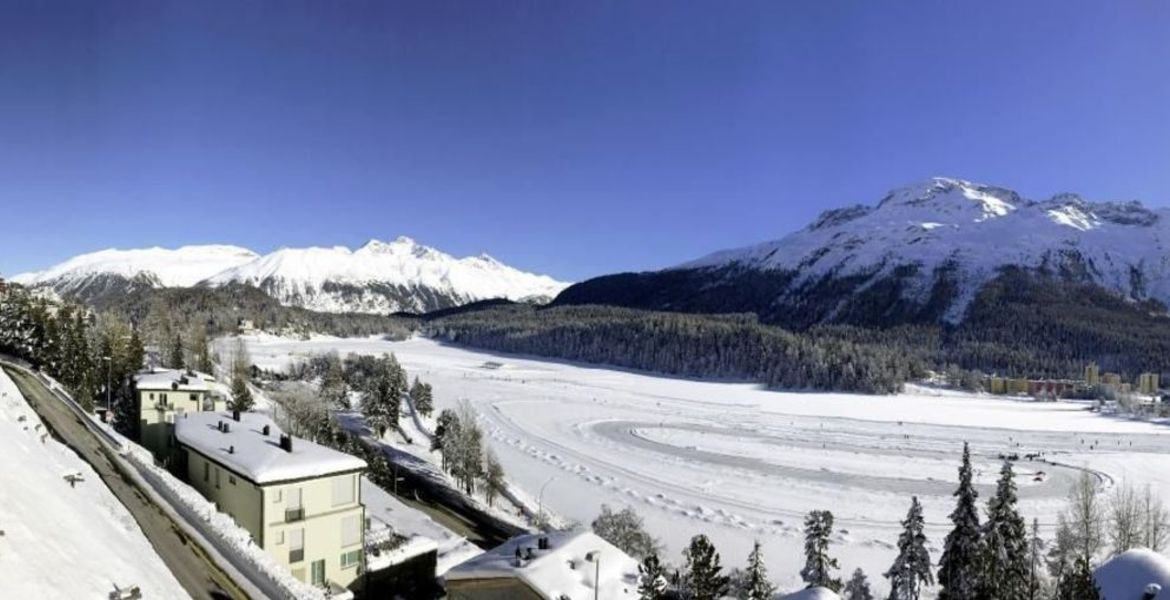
<point>246,450</point>
<point>1130,574</point>
<point>565,569</point>
<point>172,379</point>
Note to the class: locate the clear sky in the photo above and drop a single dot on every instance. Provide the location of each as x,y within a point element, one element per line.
<point>568,138</point>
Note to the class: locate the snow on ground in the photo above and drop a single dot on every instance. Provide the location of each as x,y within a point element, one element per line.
<point>60,541</point>
<point>452,548</point>
<point>741,463</point>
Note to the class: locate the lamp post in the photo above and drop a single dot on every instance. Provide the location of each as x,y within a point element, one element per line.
<point>108,362</point>
<point>595,556</point>
<point>540,498</point>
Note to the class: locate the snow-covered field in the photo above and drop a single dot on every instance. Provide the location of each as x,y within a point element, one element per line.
<point>740,463</point>
<point>60,541</point>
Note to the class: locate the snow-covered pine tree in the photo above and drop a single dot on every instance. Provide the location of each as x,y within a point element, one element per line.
<point>818,527</point>
<point>651,579</point>
<point>758,586</point>
<point>911,569</point>
<point>1005,550</point>
<point>1078,584</point>
<point>857,588</point>
<point>959,570</point>
<point>421,395</point>
<point>241,375</point>
<point>175,352</point>
<point>703,577</point>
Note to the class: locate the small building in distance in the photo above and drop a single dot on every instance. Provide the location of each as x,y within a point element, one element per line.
<point>1092,375</point>
<point>552,566</point>
<point>245,326</point>
<point>300,501</point>
<point>161,395</point>
<point>1148,384</point>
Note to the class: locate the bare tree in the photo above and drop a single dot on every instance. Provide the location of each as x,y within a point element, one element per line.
<point>1156,520</point>
<point>1126,516</point>
<point>1086,516</point>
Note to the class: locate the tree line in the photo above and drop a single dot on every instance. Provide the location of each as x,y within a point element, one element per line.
<point>990,556</point>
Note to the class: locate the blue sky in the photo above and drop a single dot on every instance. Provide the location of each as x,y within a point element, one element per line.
<point>569,138</point>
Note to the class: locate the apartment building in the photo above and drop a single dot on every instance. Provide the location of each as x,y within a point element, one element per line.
<point>300,501</point>
<point>162,394</point>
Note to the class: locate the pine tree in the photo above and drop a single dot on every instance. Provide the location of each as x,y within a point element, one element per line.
<point>911,569</point>
<point>334,390</point>
<point>758,586</point>
<point>959,569</point>
<point>818,527</point>
<point>1035,560</point>
<point>857,587</point>
<point>1005,551</point>
<point>241,376</point>
<point>1078,584</point>
<point>702,577</point>
<point>421,395</point>
<point>175,352</point>
<point>651,579</point>
<point>493,477</point>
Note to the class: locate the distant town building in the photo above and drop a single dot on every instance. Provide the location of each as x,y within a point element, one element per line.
<point>1092,375</point>
<point>245,326</point>
<point>1148,383</point>
<point>553,566</point>
<point>1112,379</point>
<point>300,501</point>
<point>163,394</point>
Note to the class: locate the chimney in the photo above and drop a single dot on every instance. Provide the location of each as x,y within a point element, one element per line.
<point>286,442</point>
<point>227,427</point>
<point>231,449</point>
<point>219,426</point>
<point>267,430</point>
<point>236,414</point>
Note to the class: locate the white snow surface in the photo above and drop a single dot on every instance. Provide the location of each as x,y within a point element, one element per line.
<point>246,449</point>
<point>303,276</point>
<point>61,541</point>
<point>452,547</point>
<point>567,569</point>
<point>180,267</point>
<point>980,229</point>
<point>740,463</point>
<point>817,593</point>
<point>1127,575</point>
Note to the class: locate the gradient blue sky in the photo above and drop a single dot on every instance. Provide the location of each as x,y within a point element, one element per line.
<point>569,138</point>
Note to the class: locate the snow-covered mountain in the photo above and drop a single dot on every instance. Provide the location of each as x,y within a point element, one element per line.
<point>934,243</point>
<point>384,277</point>
<point>378,277</point>
<point>91,273</point>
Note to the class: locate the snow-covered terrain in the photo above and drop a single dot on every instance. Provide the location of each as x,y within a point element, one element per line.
<point>161,267</point>
<point>741,463</point>
<point>58,540</point>
<point>969,231</point>
<point>378,277</point>
<point>384,277</point>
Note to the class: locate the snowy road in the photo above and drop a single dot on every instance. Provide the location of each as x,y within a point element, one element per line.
<point>740,463</point>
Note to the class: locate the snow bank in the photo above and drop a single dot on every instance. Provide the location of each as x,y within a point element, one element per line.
<point>61,540</point>
<point>1128,575</point>
<point>817,593</point>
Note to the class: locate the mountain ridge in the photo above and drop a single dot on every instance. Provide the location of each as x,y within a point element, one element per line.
<point>379,277</point>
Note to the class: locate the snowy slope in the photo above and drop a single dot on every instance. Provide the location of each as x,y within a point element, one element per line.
<point>161,267</point>
<point>61,541</point>
<point>978,229</point>
<point>384,277</point>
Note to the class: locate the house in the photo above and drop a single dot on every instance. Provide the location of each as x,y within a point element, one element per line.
<point>551,566</point>
<point>300,501</point>
<point>246,326</point>
<point>1092,375</point>
<point>1148,384</point>
<point>161,395</point>
<point>1138,574</point>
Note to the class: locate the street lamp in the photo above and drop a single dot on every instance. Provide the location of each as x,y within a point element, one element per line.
<point>540,498</point>
<point>108,361</point>
<point>595,556</point>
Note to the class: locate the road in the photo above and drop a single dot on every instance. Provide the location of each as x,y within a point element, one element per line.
<point>198,575</point>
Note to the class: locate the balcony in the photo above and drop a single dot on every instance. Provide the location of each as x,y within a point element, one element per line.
<point>294,514</point>
<point>296,556</point>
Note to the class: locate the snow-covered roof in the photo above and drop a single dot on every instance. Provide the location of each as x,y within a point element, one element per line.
<point>172,379</point>
<point>1127,575</point>
<point>561,571</point>
<point>816,593</point>
<point>246,450</point>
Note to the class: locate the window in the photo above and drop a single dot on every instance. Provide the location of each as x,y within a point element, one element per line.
<point>232,479</point>
<point>194,397</point>
<point>293,511</point>
<point>217,472</point>
<point>277,496</point>
<point>206,471</point>
<point>343,490</point>
<point>351,531</point>
<point>319,572</point>
<point>296,550</point>
<point>350,559</point>
<point>279,537</point>
<point>152,395</point>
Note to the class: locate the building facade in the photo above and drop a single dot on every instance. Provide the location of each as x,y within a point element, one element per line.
<point>300,501</point>
<point>163,394</point>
